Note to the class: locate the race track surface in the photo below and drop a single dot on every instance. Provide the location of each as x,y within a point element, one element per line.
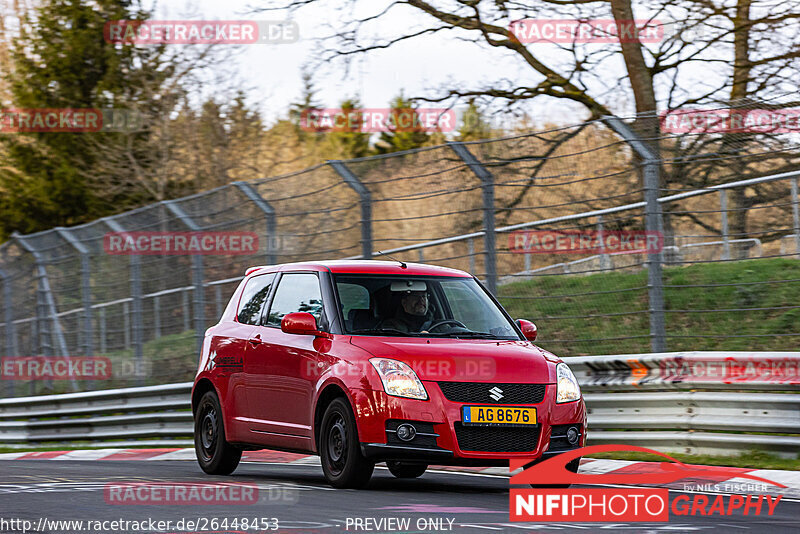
<point>301,501</point>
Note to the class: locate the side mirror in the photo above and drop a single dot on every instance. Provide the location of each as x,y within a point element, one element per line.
<point>529,329</point>
<point>302,323</point>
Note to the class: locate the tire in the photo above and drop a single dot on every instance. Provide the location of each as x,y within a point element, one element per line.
<point>404,470</point>
<point>339,449</point>
<point>572,466</point>
<point>214,454</point>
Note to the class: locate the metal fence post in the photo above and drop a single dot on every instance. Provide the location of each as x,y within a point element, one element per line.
<point>487,187</point>
<point>8,317</point>
<point>471,252</point>
<point>186,311</point>
<point>605,259</point>
<point>86,289</point>
<point>269,214</point>
<point>723,206</point>
<point>45,300</point>
<point>796,216</point>
<point>198,275</point>
<point>136,297</point>
<point>653,223</point>
<point>156,317</point>
<point>365,201</point>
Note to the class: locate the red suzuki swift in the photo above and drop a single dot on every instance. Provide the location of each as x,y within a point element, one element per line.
<point>372,361</point>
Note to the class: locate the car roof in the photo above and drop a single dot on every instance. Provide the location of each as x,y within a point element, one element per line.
<point>363,267</point>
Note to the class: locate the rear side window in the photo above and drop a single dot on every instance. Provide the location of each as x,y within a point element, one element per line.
<point>297,292</point>
<point>254,295</point>
<point>353,296</point>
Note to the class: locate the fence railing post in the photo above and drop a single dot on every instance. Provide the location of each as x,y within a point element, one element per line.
<point>269,214</point>
<point>605,259</point>
<point>46,303</point>
<point>723,207</point>
<point>136,297</point>
<point>650,177</point>
<point>796,216</point>
<point>365,201</point>
<point>87,341</point>
<point>198,276</point>
<point>11,338</point>
<point>487,187</point>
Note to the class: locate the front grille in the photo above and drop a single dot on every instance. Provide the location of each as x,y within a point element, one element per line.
<point>480,392</point>
<point>497,439</point>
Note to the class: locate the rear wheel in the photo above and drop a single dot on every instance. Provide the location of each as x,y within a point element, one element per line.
<point>406,470</point>
<point>215,455</point>
<point>339,449</point>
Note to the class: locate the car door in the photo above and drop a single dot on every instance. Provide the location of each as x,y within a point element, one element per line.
<point>280,367</point>
<point>229,351</point>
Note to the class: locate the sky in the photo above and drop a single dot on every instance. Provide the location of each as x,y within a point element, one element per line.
<point>271,73</point>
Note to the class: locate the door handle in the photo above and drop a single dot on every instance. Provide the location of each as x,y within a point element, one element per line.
<point>256,340</point>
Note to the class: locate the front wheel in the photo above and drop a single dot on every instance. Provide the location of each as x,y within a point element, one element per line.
<point>339,449</point>
<point>404,470</point>
<point>571,466</point>
<point>215,455</point>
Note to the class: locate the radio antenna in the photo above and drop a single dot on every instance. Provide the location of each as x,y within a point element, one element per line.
<point>402,263</point>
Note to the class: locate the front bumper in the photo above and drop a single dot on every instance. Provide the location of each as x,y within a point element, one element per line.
<point>440,421</point>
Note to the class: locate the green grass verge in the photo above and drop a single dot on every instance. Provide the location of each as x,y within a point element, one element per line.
<point>606,313</point>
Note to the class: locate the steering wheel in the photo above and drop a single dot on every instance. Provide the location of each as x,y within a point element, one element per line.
<point>446,321</point>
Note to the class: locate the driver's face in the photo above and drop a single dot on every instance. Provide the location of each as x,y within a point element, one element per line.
<point>416,303</point>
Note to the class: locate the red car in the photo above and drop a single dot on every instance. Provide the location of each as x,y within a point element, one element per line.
<point>374,361</point>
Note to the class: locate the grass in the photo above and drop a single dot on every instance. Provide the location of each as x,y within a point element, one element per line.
<point>751,459</point>
<point>606,313</point>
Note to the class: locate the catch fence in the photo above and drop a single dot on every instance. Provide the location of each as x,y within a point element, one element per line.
<point>725,275</point>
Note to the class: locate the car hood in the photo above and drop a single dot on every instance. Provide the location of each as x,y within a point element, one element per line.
<point>466,360</point>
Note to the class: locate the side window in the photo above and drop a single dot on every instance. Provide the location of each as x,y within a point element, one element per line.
<point>353,296</point>
<point>297,292</point>
<point>255,293</point>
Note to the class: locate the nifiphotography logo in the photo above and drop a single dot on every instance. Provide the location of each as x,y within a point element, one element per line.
<point>630,504</point>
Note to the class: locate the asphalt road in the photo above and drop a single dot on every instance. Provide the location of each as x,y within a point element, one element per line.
<point>301,502</point>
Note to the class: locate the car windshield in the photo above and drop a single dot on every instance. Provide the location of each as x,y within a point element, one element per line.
<point>420,306</point>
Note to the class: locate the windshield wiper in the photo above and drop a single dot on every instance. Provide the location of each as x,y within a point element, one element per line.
<point>387,331</point>
<point>468,334</point>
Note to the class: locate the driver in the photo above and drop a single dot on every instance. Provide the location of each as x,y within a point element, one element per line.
<point>412,314</point>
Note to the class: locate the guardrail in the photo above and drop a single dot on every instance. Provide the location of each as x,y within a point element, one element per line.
<point>697,402</point>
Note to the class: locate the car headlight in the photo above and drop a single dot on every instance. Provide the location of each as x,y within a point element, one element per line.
<point>399,379</point>
<point>567,388</point>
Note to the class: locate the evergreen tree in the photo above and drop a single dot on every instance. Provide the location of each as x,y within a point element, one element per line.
<point>474,126</point>
<point>349,140</point>
<point>404,131</point>
<point>60,60</point>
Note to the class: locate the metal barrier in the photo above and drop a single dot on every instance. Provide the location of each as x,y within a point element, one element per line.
<point>638,399</point>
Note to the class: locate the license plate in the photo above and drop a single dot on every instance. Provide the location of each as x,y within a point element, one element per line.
<point>497,416</point>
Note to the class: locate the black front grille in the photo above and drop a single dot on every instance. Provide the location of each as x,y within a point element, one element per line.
<point>479,392</point>
<point>497,439</point>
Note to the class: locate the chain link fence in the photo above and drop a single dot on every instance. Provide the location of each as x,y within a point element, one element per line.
<point>530,215</point>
